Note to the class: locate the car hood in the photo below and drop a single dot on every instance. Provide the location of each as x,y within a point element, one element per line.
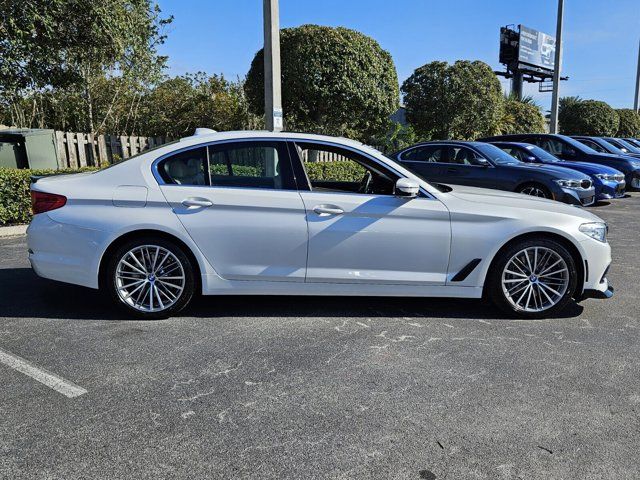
<point>591,168</point>
<point>564,171</point>
<point>500,198</point>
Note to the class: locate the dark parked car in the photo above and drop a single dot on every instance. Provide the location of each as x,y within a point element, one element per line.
<point>633,141</point>
<point>482,165</point>
<point>604,145</point>
<point>572,150</point>
<point>624,145</point>
<point>608,182</point>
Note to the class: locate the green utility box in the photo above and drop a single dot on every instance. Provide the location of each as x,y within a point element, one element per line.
<point>28,148</point>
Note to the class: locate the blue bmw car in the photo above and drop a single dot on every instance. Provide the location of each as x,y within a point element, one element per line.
<point>608,182</point>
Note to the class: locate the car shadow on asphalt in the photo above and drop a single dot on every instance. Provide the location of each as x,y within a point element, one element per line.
<point>25,295</point>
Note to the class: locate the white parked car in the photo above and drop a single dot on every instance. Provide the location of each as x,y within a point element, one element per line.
<point>247,213</point>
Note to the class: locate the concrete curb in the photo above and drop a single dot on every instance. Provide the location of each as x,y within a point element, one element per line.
<point>13,231</point>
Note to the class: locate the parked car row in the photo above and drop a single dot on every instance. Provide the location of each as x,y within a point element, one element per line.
<point>576,170</point>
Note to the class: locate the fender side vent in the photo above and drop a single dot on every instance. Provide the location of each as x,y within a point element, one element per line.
<point>466,270</point>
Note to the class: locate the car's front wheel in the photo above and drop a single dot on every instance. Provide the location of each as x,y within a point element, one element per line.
<point>535,190</point>
<point>533,278</point>
<point>150,278</point>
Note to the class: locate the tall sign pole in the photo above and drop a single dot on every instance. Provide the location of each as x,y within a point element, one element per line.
<point>272,94</point>
<point>553,127</point>
<point>636,104</point>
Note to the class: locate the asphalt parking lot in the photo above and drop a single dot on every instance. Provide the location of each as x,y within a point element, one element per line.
<point>288,387</point>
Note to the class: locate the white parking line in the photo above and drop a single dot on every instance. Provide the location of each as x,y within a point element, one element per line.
<point>51,380</point>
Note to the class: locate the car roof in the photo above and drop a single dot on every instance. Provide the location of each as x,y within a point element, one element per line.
<point>455,142</point>
<point>518,144</point>
<point>244,134</point>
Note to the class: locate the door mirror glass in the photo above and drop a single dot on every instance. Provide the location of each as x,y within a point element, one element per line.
<point>407,188</point>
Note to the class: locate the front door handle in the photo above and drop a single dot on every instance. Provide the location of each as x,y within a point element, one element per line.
<point>196,202</point>
<point>328,210</point>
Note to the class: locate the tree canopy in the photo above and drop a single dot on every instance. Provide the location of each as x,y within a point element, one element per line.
<point>629,123</point>
<point>335,81</point>
<point>588,117</point>
<point>462,101</point>
<point>521,116</point>
<point>76,44</point>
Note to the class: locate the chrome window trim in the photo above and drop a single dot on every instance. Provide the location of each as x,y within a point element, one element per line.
<point>160,180</point>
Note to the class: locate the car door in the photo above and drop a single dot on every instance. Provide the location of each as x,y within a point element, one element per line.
<point>239,203</point>
<point>463,168</point>
<point>359,232</point>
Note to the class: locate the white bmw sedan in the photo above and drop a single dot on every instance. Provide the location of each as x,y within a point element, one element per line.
<point>257,213</point>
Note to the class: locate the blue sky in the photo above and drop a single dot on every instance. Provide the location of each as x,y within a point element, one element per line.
<point>600,46</point>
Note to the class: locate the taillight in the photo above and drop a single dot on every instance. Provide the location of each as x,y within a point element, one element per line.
<point>44,202</point>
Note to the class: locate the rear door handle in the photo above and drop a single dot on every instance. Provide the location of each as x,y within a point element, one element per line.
<point>452,170</point>
<point>196,202</point>
<point>328,210</point>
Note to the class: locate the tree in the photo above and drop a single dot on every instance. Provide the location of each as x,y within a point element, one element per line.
<point>521,116</point>
<point>629,123</point>
<point>463,100</point>
<point>78,43</point>
<point>335,81</point>
<point>589,117</point>
<point>177,106</point>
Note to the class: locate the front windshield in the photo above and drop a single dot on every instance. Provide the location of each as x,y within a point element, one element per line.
<point>496,155</point>
<point>613,148</point>
<point>628,145</point>
<point>542,154</point>
<point>581,147</point>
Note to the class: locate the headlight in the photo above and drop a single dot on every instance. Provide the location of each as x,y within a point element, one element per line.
<point>574,184</point>
<point>610,178</point>
<point>595,230</point>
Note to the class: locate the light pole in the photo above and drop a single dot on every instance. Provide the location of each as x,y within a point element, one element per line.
<point>272,94</point>
<point>553,127</point>
<point>636,104</point>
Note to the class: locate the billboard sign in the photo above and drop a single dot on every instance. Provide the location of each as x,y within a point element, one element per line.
<point>536,48</point>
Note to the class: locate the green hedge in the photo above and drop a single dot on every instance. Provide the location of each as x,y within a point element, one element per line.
<point>345,171</point>
<point>15,199</point>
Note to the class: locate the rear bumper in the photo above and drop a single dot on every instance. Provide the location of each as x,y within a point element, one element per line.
<point>64,252</point>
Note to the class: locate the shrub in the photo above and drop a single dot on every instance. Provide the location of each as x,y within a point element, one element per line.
<point>335,81</point>
<point>15,198</point>
<point>462,101</point>
<point>339,171</point>
<point>521,117</point>
<point>589,117</point>
<point>629,123</point>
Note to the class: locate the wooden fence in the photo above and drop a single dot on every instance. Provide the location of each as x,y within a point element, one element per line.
<point>76,150</point>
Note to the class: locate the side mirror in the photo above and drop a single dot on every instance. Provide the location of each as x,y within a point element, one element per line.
<point>407,188</point>
<point>530,159</point>
<point>482,162</point>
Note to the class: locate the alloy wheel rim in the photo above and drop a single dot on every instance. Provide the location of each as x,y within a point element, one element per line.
<point>149,278</point>
<point>535,279</point>
<point>534,191</point>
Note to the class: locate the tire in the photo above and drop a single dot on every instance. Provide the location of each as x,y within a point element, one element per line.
<point>555,271</point>
<point>163,263</point>
<point>535,190</point>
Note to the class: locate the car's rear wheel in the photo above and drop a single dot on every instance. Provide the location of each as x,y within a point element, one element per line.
<point>150,278</point>
<point>535,190</point>
<point>533,278</point>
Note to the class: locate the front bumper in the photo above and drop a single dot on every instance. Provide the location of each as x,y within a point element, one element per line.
<point>599,294</point>
<point>611,190</point>
<point>577,197</point>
